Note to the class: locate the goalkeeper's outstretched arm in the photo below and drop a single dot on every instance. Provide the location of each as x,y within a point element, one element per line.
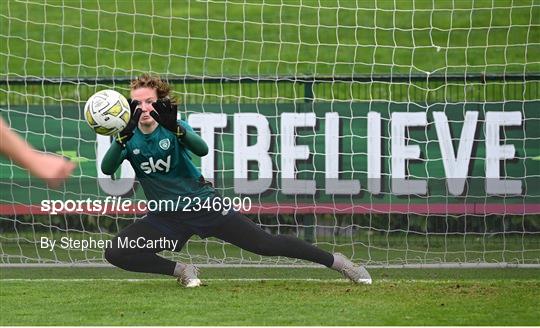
<point>113,159</point>
<point>116,155</point>
<point>194,142</point>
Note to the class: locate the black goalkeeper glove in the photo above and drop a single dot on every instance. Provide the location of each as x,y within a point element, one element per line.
<point>165,114</point>
<point>123,136</point>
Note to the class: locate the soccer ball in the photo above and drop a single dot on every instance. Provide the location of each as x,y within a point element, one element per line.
<point>107,112</point>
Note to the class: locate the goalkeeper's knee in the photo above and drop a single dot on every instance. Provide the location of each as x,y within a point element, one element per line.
<point>114,256</point>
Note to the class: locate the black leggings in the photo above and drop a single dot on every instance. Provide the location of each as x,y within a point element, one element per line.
<point>237,230</point>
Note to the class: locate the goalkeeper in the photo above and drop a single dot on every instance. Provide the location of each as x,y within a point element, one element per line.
<point>159,147</point>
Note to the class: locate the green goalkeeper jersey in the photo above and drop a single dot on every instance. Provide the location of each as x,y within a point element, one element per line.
<point>163,166</point>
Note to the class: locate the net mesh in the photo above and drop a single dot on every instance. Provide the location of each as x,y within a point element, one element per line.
<point>348,58</point>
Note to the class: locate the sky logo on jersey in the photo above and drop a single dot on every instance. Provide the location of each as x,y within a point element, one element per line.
<point>159,165</point>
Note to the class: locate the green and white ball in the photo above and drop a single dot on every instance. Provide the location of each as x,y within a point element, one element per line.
<point>107,112</point>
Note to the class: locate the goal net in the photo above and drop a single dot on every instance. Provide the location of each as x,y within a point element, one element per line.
<point>397,133</point>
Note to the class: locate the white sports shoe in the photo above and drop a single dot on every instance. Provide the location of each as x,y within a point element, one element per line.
<point>356,273</point>
<point>188,277</point>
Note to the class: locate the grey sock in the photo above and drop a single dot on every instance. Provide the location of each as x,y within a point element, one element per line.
<point>339,262</point>
<point>178,269</point>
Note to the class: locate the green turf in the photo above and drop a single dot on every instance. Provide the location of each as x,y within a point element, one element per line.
<point>275,273</point>
<point>397,297</point>
<point>292,37</point>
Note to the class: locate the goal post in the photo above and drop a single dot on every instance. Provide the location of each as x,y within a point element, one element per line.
<point>400,134</point>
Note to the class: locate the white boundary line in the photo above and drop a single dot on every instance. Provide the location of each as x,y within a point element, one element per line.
<point>338,280</point>
<point>293,266</point>
<point>164,279</point>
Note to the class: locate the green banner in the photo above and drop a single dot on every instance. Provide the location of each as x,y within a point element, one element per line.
<point>511,129</point>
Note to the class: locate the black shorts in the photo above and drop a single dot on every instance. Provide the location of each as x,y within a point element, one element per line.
<point>176,224</point>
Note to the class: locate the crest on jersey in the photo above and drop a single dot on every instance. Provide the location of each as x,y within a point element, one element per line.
<point>164,144</point>
<point>136,151</point>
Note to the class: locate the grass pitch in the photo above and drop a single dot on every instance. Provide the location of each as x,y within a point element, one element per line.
<point>250,296</point>
<point>271,37</point>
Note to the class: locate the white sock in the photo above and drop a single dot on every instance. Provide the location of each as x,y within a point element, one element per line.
<point>178,269</point>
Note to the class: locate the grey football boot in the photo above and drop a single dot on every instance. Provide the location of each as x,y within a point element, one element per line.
<point>356,273</point>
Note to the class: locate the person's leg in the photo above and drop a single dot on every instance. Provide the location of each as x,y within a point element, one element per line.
<point>240,231</point>
<point>143,259</point>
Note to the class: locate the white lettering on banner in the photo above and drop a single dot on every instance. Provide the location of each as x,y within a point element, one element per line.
<point>456,168</point>
<point>374,152</point>
<point>456,160</point>
<point>334,185</point>
<point>495,153</point>
<point>257,152</point>
<point>291,152</point>
<point>401,153</point>
<point>208,123</point>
